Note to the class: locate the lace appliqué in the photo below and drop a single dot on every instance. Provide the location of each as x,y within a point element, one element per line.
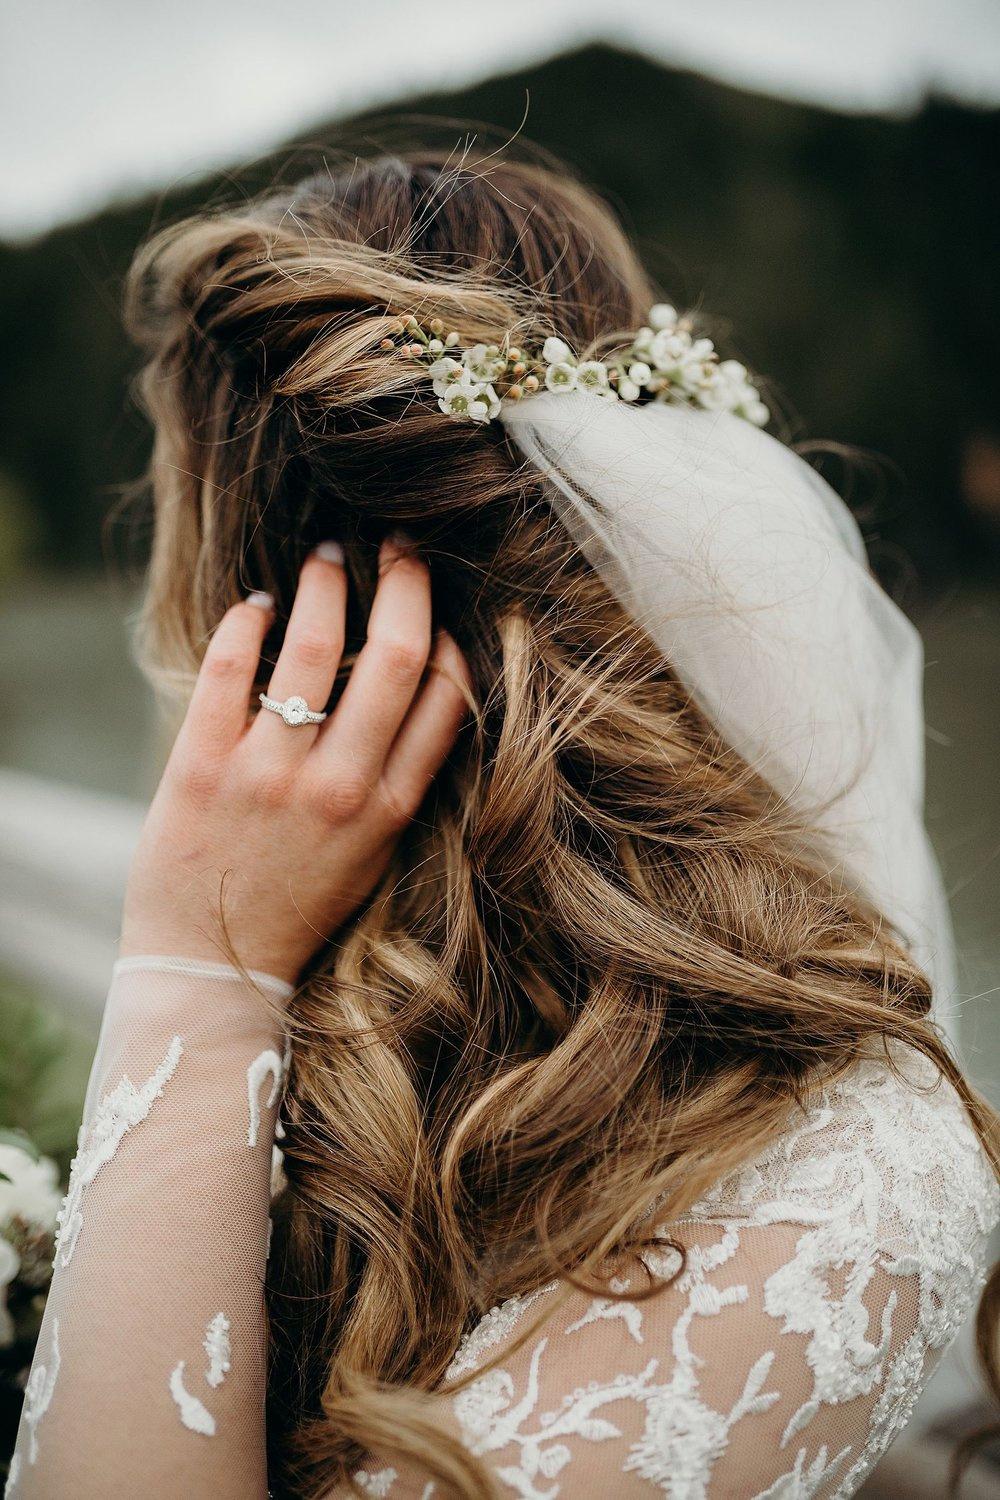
<point>193,1411</point>
<point>13,1475</point>
<point>495,1326</point>
<point>378,1484</point>
<point>217,1348</point>
<point>887,1180</point>
<point>125,1107</point>
<point>38,1392</point>
<point>267,1065</point>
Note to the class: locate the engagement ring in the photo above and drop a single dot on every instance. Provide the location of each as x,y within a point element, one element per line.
<point>294,710</point>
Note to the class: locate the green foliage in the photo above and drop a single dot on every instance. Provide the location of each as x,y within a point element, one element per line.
<point>43,1075</point>
<point>44,1064</point>
<point>855,256</point>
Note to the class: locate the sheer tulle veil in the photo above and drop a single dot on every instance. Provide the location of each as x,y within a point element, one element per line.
<point>750,573</point>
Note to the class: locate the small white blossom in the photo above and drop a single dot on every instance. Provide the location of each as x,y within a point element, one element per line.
<point>664,360</point>
<point>479,403</point>
<point>556,351</point>
<point>483,365</point>
<point>662,315</point>
<point>756,412</point>
<point>592,376</point>
<point>667,348</point>
<point>445,373</point>
<point>729,388</point>
<point>562,376</point>
<point>642,343</point>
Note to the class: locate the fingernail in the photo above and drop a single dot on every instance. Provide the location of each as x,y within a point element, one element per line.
<point>260,600</point>
<point>331,552</point>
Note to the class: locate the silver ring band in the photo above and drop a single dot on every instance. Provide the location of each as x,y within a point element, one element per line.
<point>294,710</point>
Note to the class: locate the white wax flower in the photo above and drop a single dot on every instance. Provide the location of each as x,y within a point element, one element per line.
<point>642,343</point>
<point>592,375</point>
<point>755,411</point>
<point>668,348</point>
<point>628,390</point>
<point>483,366</point>
<point>562,376</point>
<point>640,372</point>
<point>556,351</point>
<point>728,388</point>
<point>662,315</point>
<point>479,403</point>
<point>445,373</point>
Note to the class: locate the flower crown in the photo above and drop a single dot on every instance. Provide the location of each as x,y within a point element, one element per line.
<point>664,362</point>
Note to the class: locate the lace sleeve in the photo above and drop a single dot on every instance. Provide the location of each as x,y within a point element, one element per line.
<point>149,1374</point>
<point>819,1288</point>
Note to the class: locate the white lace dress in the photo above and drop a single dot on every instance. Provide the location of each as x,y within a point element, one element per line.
<point>822,1283</point>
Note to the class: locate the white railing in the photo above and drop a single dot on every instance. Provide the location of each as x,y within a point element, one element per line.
<point>64,855</point>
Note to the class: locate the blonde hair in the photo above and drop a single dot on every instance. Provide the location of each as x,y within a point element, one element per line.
<point>601,970</point>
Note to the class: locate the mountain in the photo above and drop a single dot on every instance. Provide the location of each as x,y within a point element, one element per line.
<point>854,257</point>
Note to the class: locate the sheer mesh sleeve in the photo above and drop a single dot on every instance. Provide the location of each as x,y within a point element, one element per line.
<point>149,1374</point>
<point>820,1286</point>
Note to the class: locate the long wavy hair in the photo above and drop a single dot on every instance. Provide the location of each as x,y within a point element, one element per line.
<point>602,970</point>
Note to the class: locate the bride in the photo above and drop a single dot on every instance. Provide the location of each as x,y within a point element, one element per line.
<point>541,862</point>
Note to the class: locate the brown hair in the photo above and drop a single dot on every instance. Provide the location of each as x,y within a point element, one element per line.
<point>601,970</point>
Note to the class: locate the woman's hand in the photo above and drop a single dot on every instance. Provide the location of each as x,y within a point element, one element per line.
<point>268,837</point>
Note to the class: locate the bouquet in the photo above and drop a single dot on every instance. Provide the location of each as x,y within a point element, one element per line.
<point>30,1196</point>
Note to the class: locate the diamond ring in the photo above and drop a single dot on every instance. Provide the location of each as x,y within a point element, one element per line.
<point>294,711</point>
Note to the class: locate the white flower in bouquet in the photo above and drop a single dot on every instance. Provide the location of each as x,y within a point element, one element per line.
<point>29,1188</point>
<point>29,1202</point>
<point>10,1264</point>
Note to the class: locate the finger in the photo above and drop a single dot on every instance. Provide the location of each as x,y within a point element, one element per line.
<point>429,730</point>
<point>217,713</point>
<point>310,653</point>
<point>385,678</point>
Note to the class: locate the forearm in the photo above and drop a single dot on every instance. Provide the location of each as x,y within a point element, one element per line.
<point>150,1368</point>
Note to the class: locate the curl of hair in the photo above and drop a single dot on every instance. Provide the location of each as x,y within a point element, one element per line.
<point>601,970</point>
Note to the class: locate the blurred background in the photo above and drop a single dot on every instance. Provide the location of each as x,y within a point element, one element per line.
<point>826,178</point>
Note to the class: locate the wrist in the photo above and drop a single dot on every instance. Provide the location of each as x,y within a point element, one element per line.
<point>194,966</point>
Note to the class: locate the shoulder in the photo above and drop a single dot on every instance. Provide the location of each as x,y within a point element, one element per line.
<point>887,1147</point>
<point>881,1174</point>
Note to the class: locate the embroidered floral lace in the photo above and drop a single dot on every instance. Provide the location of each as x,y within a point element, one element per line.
<point>822,1282</point>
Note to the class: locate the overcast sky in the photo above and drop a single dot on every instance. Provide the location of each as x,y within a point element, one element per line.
<point>106,97</point>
